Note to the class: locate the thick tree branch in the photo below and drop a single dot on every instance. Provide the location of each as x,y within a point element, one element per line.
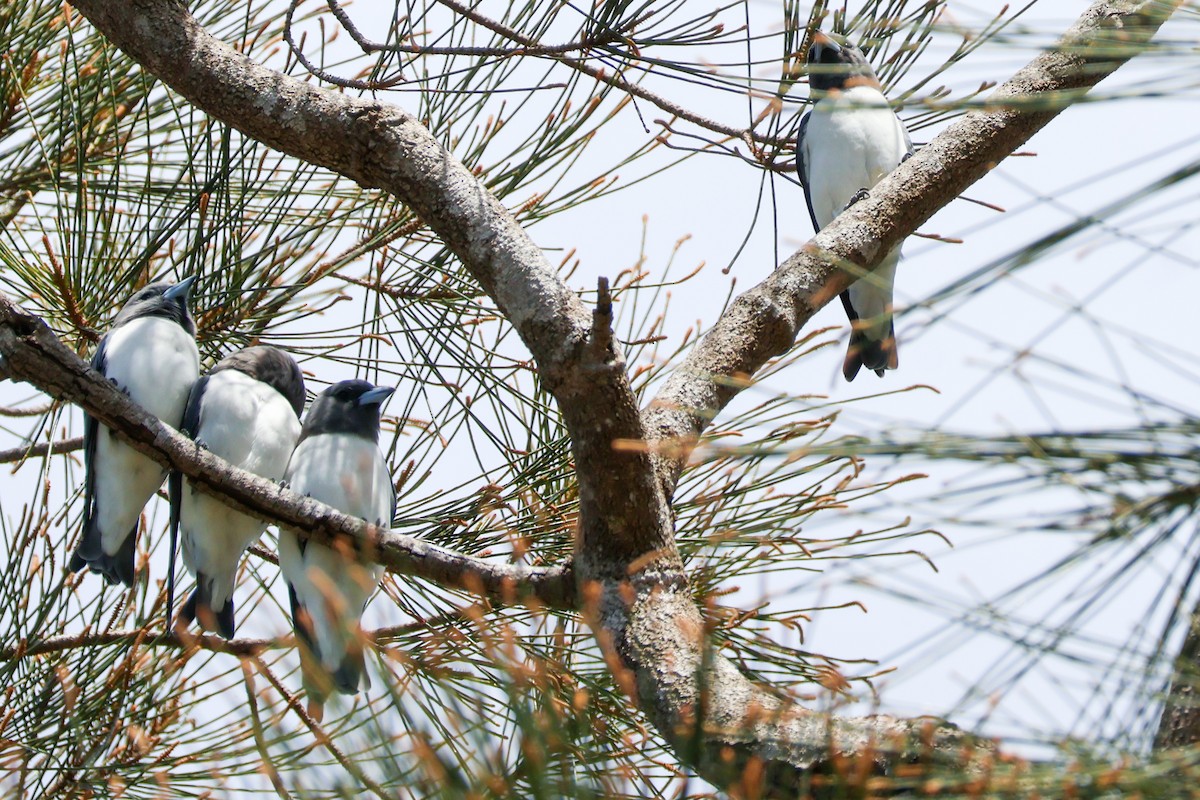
<point>763,322</point>
<point>34,354</point>
<point>382,146</point>
<point>1179,725</point>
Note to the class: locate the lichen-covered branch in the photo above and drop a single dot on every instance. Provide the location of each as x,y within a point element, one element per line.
<point>1179,725</point>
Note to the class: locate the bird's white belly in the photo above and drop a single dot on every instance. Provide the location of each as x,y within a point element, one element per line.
<point>346,472</point>
<point>155,362</point>
<point>248,424</point>
<point>125,481</point>
<point>853,140</point>
<point>251,426</point>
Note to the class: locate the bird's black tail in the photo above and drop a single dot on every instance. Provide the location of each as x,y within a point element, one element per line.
<point>316,680</point>
<point>198,608</point>
<point>348,677</point>
<point>874,354</point>
<point>90,553</point>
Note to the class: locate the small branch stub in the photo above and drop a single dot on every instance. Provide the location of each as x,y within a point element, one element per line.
<point>600,343</point>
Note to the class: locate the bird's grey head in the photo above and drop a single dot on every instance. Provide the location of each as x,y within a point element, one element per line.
<point>166,300</point>
<point>834,63</point>
<point>347,407</point>
<point>270,366</point>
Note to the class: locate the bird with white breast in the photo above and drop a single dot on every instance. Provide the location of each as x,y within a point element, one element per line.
<point>150,354</point>
<point>847,143</point>
<point>247,411</point>
<point>338,462</point>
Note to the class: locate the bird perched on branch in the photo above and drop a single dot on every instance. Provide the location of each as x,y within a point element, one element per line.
<point>848,142</point>
<point>247,411</point>
<point>150,354</point>
<point>338,462</point>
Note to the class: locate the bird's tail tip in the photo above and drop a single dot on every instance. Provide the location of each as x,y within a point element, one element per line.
<point>322,679</point>
<point>91,544</point>
<point>351,674</point>
<point>877,355</point>
<point>116,568</point>
<point>199,608</point>
<point>320,682</point>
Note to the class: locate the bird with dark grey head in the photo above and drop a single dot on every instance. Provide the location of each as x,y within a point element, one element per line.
<point>337,461</point>
<point>150,354</point>
<point>848,142</point>
<point>247,411</point>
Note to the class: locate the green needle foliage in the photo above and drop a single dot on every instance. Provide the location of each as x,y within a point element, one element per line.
<point>109,181</point>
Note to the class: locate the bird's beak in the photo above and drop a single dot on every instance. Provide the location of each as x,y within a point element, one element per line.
<point>180,289</point>
<point>376,395</point>
<point>820,43</point>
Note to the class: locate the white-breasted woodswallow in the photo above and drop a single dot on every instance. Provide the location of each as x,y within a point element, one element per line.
<point>848,142</point>
<point>247,411</point>
<point>150,354</point>
<point>338,461</point>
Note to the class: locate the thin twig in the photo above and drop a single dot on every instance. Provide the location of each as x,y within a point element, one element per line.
<point>315,728</point>
<point>369,46</point>
<point>346,83</point>
<point>36,411</point>
<point>41,450</point>
<point>613,80</point>
<point>259,738</point>
<point>181,639</point>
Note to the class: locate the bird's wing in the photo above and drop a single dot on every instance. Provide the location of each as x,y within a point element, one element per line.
<point>300,620</point>
<point>175,497</point>
<point>802,170</point>
<point>99,363</point>
<point>191,412</point>
<point>189,426</point>
<point>392,486</point>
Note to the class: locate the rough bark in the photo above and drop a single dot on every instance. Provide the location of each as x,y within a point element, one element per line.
<point>736,734</point>
<point>1179,725</point>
